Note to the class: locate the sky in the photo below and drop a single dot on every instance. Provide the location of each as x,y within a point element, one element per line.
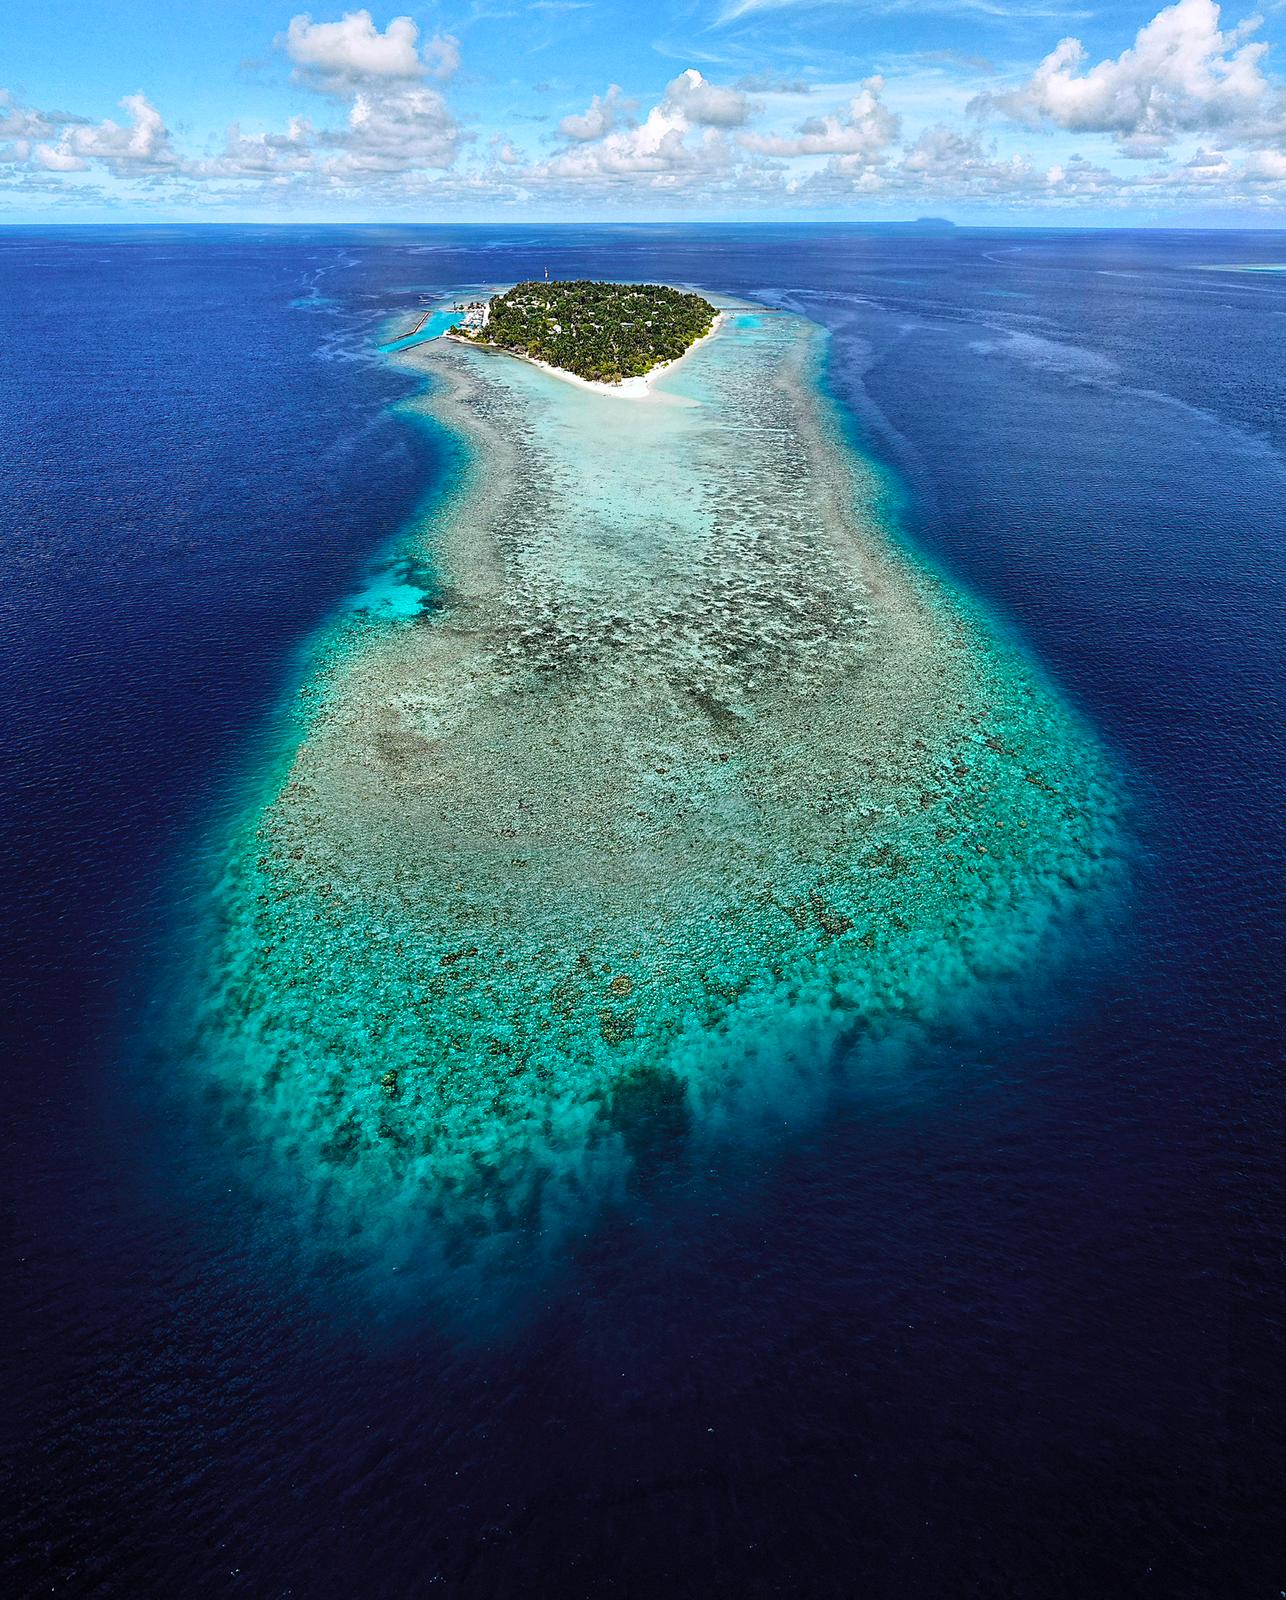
<point>1018,112</point>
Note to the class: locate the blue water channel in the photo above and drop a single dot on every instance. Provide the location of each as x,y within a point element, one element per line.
<point>433,327</point>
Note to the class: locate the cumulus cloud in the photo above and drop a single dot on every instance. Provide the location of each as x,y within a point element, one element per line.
<point>1183,74</point>
<point>693,141</point>
<point>659,148</point>
<point>707,104</point>
<point>139,146</point>
<point>395,122</point>
<point>391,133</point>
<point>266,155</point>
<point>945,160</point>
<point>354,47</point>
<point>20,125</point>
<point>682,136</point>
<point>944,165</point>
<point>599,117</point>
<point>865,128</point>
<point>1266,166</point>
<point>337,56</point>
<point>442,56</point>
<point>381,137</point>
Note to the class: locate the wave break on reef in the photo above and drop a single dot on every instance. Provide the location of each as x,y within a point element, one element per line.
<point>686,775</point>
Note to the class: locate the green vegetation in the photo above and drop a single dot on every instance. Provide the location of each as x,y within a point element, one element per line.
<point>601,331</point>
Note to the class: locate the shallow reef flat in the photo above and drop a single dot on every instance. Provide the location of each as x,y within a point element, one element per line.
<point>687,783</point>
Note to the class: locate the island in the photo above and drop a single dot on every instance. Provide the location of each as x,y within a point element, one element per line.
<point>601,332</point>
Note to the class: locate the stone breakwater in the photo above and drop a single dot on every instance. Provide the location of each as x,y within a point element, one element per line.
<point>687,777</point>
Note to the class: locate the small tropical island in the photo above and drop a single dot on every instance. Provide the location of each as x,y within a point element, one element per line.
<point>601,332</point>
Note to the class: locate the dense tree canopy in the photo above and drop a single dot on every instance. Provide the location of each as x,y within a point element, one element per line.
<point>602,331</point>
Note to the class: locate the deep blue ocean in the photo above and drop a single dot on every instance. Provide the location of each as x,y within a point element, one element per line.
<point>1014,1331</point>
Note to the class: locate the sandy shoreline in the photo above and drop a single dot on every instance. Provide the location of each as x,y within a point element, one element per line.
<point>628,388</point>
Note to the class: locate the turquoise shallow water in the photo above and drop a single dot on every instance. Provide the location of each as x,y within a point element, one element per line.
<point>433,327</point>
<point>676,777</point>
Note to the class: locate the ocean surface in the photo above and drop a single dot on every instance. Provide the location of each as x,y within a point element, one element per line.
<point>1001,1317</point>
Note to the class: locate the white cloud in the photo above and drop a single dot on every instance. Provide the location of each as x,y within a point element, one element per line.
<point>707,104</point>
<point>141,145</point>
<point>395,122</point>
<point>20,125</point>
<point>681,137</point>
<point>599,118</point>
<point>1267,166</point>
<point>442,56</point>
<point>864,128</point>
<point>391,133</point>
<point>53,159</point>
<point>354,47</point>
<point>352,51</point>
<point>684,147</point>
<point>945,161</point>
<point>1182,74</point>
<point>658,148</point>
<point>383,136</point>
<point>264,155</point>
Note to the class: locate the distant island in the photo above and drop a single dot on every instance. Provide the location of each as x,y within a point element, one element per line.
<point>602,332</point>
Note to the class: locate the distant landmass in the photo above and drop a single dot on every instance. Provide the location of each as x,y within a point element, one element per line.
<point>604,332</point>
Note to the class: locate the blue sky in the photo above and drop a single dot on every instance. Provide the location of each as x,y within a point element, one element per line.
<point>1036,111</point>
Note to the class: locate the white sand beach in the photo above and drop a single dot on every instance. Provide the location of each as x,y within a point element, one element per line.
<point>628,388</point>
